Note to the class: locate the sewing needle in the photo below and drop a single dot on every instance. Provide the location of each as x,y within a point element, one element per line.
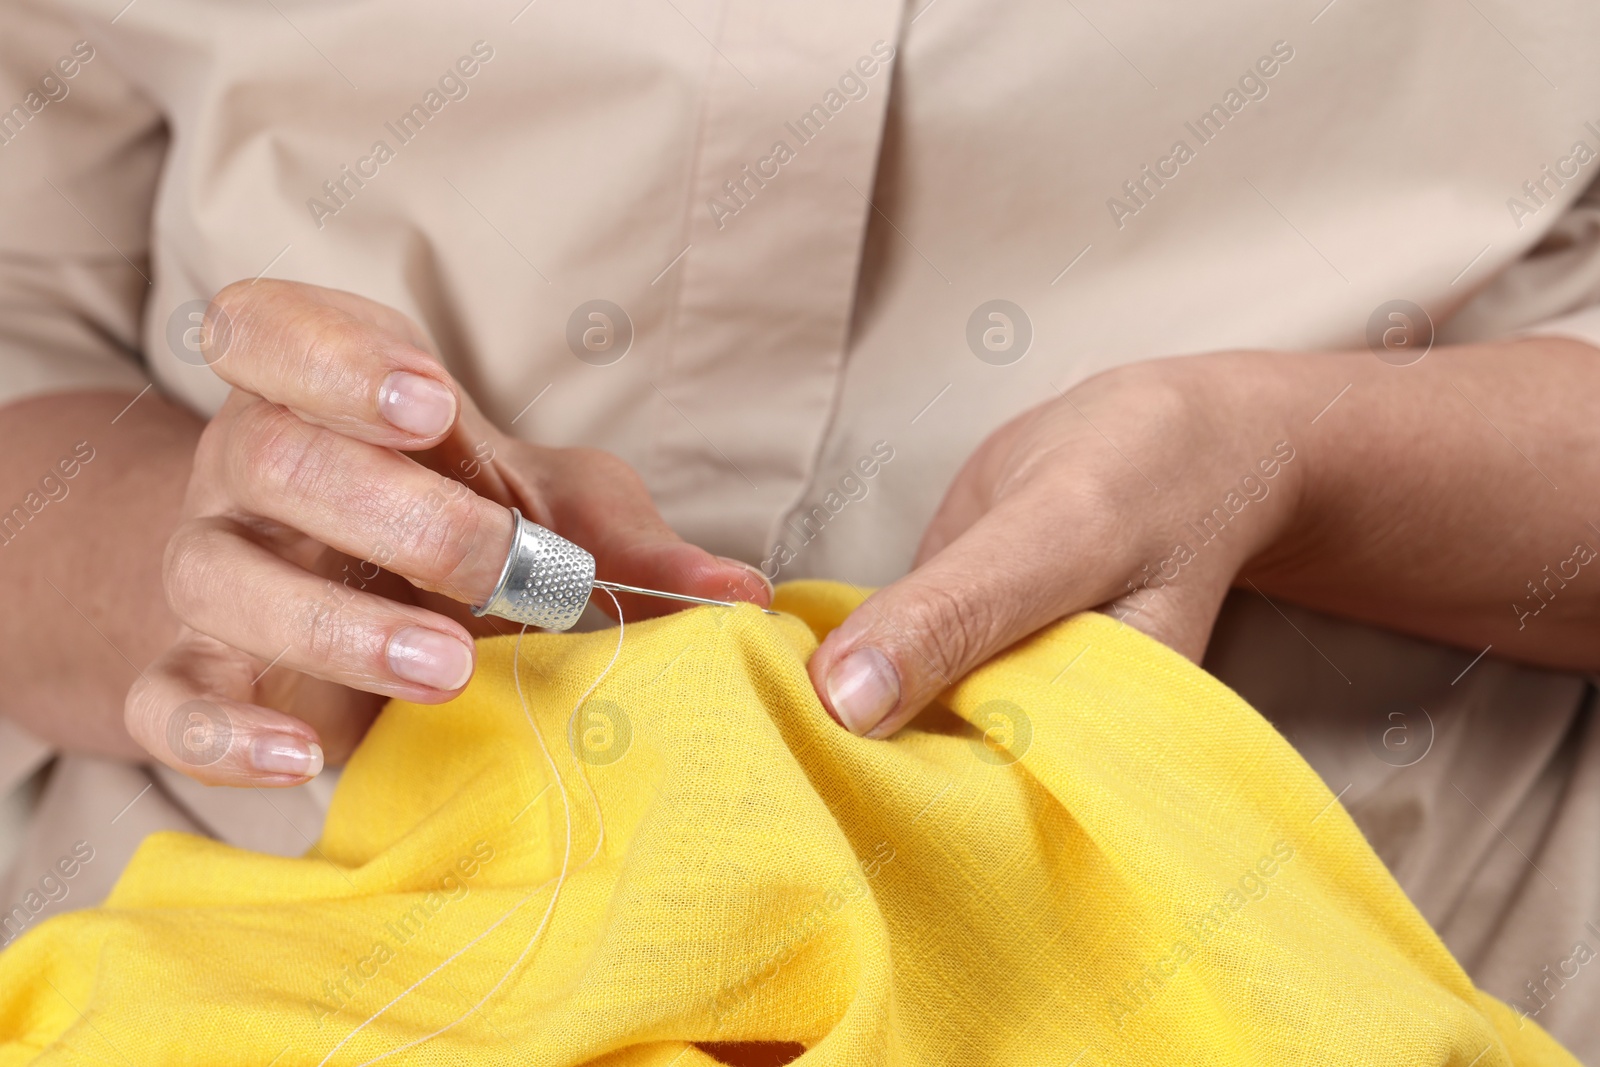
<point>618,587</point>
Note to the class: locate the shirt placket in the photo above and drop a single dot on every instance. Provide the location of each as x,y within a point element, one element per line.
<point>778,206</point>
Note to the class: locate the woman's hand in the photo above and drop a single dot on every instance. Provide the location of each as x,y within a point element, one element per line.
<point>345,505</point>
<point>1449,498</point>
<point>1096,499</point>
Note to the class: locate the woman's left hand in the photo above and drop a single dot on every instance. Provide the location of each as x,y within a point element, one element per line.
<point>1448,497</point>
<point>1095,499</point>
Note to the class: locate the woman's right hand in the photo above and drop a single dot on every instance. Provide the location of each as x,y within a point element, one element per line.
<point>345,506</point>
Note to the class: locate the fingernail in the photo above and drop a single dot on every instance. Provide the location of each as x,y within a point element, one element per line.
<point>429,657</point>
<point>286,754</point>
<point>416,404</point>
<point>863,688</point>
<point>755,572</point>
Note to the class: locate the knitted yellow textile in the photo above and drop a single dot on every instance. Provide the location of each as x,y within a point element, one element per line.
<point>1127,866</point>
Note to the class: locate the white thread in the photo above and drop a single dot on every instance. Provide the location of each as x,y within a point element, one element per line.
<point>560,879</point>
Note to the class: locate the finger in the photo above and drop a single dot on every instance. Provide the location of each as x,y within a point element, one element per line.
<point>231,589</point>
<point>376,505</point>
<point>598,501</point>
<point>334,359</point>
<point>365,501</point>
<point>179,711</point>
<point>1012,572</point>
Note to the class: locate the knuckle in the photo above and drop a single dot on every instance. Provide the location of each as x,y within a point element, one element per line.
<point>257,301</point>
<point>186,568</point>
<point>249,309</point>
<point>240,300</point>
<point>290,340</point>
<point>1155,393</point>
<point>323,353</point>
<point>275,456</point>
<point>446,542</point>
<point>329,629</point>
<point>947,631</point>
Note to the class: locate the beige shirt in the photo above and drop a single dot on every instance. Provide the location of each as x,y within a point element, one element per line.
<point>799,219</point>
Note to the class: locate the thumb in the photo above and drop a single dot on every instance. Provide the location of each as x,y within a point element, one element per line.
<point>1008,575</point>
<point>997,582</point>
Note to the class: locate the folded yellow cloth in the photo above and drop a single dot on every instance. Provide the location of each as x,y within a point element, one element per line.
<point>1103,856</point>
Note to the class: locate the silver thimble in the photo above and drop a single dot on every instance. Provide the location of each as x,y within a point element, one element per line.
<point>546,580</point>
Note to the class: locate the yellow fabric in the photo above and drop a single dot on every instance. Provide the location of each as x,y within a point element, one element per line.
<point>1129,867</point>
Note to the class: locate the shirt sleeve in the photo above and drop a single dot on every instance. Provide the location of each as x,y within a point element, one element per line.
<point>80,154</point>
<point>1554,290</point>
